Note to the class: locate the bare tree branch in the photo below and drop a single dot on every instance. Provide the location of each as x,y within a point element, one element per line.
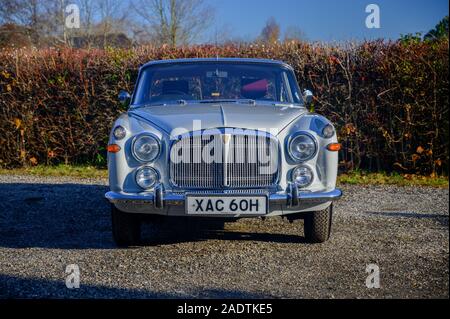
<point>174,22</point>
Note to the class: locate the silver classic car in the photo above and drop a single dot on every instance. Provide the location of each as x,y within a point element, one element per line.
<point>228,138</point>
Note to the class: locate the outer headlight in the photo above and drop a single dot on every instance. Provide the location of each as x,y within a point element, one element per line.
<point>145,148</point>
<point>302,176</point>
<point>328,131</point>
<point>302,147</point>
<point>146,177</point>
<point>119,132</point>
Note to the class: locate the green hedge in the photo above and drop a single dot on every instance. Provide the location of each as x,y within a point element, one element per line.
<point>389,100</point>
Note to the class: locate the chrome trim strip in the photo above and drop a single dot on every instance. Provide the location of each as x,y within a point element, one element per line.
<point>219,60</point>
<point>225,130</point>
<point>178,199</point>
<point>335,194</point>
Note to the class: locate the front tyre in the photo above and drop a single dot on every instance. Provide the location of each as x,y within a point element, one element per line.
<point>126,228</point>
<point>318,225</point>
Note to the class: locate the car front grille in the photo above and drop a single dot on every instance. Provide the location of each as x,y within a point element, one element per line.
<point>214,161</point>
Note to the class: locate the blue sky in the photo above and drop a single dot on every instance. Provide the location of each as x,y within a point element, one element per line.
<point>327,20</point>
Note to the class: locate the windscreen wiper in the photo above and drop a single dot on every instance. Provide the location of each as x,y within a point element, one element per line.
<point>287,104</point>
<point>181,102</point>
<point>244,101</point>
<point>247,101</point>
<point>216,101</point>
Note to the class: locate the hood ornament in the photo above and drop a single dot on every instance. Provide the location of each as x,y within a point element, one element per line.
<point>226,138</point>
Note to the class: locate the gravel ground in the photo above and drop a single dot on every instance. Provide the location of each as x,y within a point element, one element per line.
<point>49,223</point>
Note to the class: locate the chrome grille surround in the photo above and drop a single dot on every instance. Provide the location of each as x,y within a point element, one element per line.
<point>237,159</point>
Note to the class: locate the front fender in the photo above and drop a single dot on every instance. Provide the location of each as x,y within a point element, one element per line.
<point>324,164</point>
<point>122,165</point>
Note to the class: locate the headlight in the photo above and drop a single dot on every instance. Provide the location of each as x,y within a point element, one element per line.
<point>302,147</point>
<point>302,176</point>
<point>119,132</point>
<point>145,148</point>
<point>328,131</point>
<point>146,177</point>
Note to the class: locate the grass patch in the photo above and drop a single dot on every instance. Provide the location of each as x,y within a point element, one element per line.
<point>365,178</point>
<point>350,178</point>
<point>59,170</point>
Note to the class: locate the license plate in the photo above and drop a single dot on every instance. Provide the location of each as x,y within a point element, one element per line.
<point>204,205</point>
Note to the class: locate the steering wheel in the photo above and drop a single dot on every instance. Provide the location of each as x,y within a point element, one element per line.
<point>175,92</point>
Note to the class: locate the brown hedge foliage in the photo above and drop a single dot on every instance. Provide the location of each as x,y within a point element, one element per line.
<point>389,100</point>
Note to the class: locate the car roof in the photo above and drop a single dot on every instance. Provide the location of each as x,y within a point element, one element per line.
<point>227,60</point>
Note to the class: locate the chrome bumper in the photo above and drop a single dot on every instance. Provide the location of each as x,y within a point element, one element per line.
<point>160,199</point>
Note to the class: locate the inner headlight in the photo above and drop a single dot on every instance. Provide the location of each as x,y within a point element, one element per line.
<point>146,177</point>
<point>146,148</point>
<point>302,176</point>
<point>302,147</point>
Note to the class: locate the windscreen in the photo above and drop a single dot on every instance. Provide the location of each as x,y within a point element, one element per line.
<point>196,82</point>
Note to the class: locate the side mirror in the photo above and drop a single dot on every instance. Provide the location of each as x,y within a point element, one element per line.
<point>308,97</point>
<point>124,98</point>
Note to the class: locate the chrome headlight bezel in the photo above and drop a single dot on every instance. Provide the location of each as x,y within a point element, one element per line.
<point>292,139</point>
<point>133,145</point>
<point>142,168</point>
<point>311,172</point>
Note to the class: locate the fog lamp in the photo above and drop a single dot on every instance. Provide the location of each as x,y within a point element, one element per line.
<point>146,177</point>
<point>302,176</point>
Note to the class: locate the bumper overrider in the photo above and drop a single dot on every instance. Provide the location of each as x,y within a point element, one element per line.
<point>164,202</point>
